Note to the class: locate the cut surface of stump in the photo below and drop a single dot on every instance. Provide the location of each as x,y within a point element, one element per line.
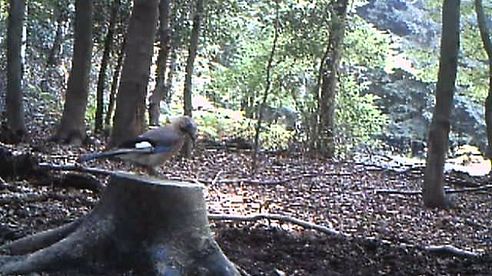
<point>141,225</point>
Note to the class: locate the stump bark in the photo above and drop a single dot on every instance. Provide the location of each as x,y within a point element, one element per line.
<point>141,225</point>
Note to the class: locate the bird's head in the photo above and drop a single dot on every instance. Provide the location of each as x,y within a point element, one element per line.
<point>186,125</point>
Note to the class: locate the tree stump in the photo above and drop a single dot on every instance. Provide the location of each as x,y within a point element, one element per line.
<point>141,225</point>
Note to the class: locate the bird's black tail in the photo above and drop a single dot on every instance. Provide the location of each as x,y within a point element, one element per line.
<point>94,156</point>
<point>113,153</point>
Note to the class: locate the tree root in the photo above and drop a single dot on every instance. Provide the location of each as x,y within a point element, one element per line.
<point>35,242</point>
<point>141,225</point>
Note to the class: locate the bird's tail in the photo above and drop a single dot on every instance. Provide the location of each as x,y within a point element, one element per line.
<point>94,156</point>
<point>107,154</point>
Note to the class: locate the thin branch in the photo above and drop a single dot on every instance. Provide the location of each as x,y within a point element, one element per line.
<point>216,178</point>
<point>434,249</point>
<point>76,167</point>
<point>271,182</point>
<point>397,192</point>
<point>448,191</point>
<point>450,250</point>
<point>267,87</point>
<point>303,223</point>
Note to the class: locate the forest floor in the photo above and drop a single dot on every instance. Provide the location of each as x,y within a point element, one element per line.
<point>385,233</point>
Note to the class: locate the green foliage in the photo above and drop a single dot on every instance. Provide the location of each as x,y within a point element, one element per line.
<point>472,67</point>
<point>243,78</point>
<point>223,124</point>
<point>237,79</point>
<point>358,119</point>
<point>364,45</point>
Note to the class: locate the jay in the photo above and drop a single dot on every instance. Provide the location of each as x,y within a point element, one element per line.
<point>153,147</point>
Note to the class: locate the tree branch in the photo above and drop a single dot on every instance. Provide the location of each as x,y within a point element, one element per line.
<point>448,191</point>
<point>76,167</point>
<point>447,250</point>
<point>303,223</point>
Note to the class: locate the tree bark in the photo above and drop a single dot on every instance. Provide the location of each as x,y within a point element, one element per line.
<point>53,79</point>
<point>329,80</point>
<point>159,92</point>
<point>141,225</point>
<point>192,51</point>
<point>101,81</point>
<point>14,105</point>
<point>170,75</point>
<point>72,126</point>
<point>433,189</point>
<point>129,118</point>
<point>487,45</point>
<point>61,17</point>
<point>114,85</point>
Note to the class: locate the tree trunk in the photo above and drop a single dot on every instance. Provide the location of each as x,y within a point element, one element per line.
<point>114,85</point>
<point>72,127</point>
<point>14,105</point>
<point>312,117</point>
<point>268,84</point>
<point>170,76</point>
<point>61,12</point>
<point>487,45</point>
<point>329,80</point>
<point>101,81</point>
<point>129,118</point>
<point>141,225</point>
<point>52,79</point>
<point>433,189</point>
<point>159,92</point>
<point>192,51</point>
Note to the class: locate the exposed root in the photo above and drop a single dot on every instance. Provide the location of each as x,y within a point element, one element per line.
<point>140,224</point>
<point>35,242</point>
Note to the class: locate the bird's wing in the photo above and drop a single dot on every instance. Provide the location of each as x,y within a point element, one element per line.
<point>160,140</point>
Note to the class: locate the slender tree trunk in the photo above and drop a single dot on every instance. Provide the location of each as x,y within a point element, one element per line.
<point>313,117</point>
<point>159,92</point>
<point>433,190</point>
<point>52,59</point>
<point>52,79</point>
<point>268,83</point>
<point>14,105</point>
<point>114,84</point>
<point>72,127</point>
<point>101,81</point>
<point>487,45</point>
<point>170,76</point>
<point>329,80</point>
<point>192,51</point>
<point>129,116</point>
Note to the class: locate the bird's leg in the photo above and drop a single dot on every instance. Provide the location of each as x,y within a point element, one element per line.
<point>152,171</point>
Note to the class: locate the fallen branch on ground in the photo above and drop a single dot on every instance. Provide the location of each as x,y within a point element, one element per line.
<point>77,168</point>
<point>449,191</point>
<point>303,223</point>
<point>446,250</point>
<point>271,182</point>
<point>449,250</point>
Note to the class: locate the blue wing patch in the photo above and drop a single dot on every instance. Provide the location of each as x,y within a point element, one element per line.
<point>162,149</point>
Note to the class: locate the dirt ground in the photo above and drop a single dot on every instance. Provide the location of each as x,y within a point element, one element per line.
<point>388,232</point>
